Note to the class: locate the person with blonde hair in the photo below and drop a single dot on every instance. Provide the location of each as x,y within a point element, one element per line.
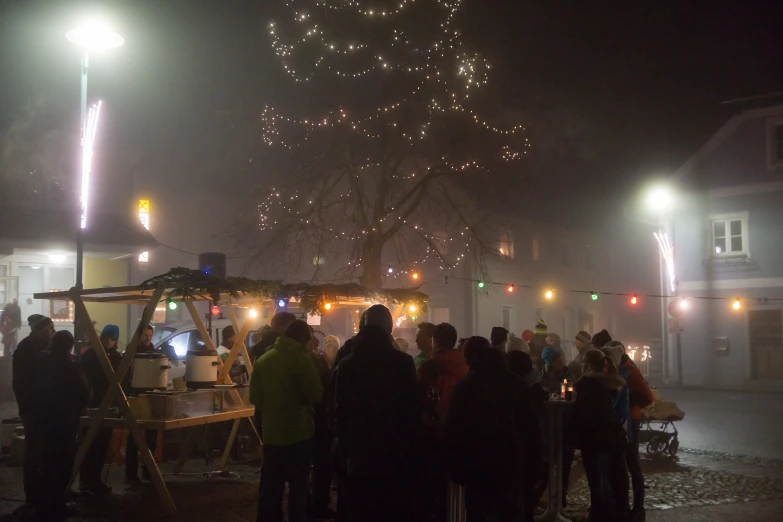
<point>331,344</point>
<point>401,343</point>
<point>601,434</point>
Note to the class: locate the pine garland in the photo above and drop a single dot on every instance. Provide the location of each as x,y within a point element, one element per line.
<point>187,283</point>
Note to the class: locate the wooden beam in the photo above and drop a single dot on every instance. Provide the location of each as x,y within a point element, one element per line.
<point>238,342</point>
<point>248,363</point>
<point>229,443</point>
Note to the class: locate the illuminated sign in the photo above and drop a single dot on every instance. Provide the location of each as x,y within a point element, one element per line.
<point>144,218</point>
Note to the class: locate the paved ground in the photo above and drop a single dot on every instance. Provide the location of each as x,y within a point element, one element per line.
<point>730,422</point>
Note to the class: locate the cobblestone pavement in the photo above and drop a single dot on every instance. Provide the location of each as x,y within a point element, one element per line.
<point>693,480</point>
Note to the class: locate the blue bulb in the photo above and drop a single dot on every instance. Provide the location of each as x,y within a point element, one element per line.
<point>281,303</point>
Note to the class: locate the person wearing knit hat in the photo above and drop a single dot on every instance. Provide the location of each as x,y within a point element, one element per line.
<point>582,342</point>
<point>380,316</point>
<point>555,371</point>
<point>541,328</point>
<point>110,331</point>
<point>527,336</point>
<point>330,346</point>
<point>601,339</point>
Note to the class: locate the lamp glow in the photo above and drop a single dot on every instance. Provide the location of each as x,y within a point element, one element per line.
<point>94,37</point>
<point>253,313</point>
<point>415,275</point>
<point>215,310</point>
<point>634,300</point>
<point>281,303</point>
<point>412,308</point>
<point>684,304</point>
<point>328,306</point>
<point>660,199</point>
<point>510,289</point>
<point>88,140</point>
<point>549,294</point>
<point>594,296</point>
<point>481,284</point>
<point>737,304</point>
<point>172,305</point>
<point>57,258</point>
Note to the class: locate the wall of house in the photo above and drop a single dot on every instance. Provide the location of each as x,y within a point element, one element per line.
<point>101,272</point>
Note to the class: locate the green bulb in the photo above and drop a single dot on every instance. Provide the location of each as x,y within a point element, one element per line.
<point>594,296</point>
<point>481,284</point>
<point>172,305</point>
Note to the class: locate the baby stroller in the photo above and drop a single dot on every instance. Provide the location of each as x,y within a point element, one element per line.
<point>658,430</point>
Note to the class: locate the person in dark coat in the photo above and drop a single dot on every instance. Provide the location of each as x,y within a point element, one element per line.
<point>25,382</point>
<point>151,436</point>
<point>600,434</point>
<point>377,414</point>
<point>492,437</point>
<point>90,473</point>
<point>62,395</point>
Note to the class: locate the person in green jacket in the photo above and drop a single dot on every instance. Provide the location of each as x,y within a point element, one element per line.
<point>284,388</point>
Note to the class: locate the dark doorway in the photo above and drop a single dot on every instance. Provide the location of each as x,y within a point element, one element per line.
<point>766,343</point>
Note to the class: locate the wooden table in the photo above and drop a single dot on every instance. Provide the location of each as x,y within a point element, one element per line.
<point>197,424</point>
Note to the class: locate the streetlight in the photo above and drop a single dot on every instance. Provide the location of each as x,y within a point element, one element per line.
<point>91,38</point>
<point>661,200</point>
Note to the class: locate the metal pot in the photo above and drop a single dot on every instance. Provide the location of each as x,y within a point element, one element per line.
<point>201,368</point>
<point>150,372</point>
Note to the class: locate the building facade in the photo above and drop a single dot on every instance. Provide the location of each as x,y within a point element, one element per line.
<point>729,256</point>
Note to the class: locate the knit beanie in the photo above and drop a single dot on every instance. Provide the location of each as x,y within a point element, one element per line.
<point>615,353</point>
<point>584,337</point>
<point>38,322</point>
<point>527,336</point>
<point>549,355</point>
<point>515,344</point>
<point>111,331</point>
<point>601,339</point>
<point>228,332</point>
<point>540,328</point>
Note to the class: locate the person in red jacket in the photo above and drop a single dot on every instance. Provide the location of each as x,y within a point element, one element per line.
<point>640,397</point>
<point>436,378</point>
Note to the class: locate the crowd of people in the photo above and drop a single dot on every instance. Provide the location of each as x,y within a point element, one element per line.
<point>393,431</point>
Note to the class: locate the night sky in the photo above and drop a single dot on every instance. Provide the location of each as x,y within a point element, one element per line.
<point>611,92</point>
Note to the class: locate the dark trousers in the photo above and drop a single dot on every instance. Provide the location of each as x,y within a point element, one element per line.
<point>634,466</point>
<point>59,451</point>
<point>380,499</point>
<point>608,491</point>
<point>323,474</point>
<point>494,504</point>
<point>568,461</point>
<point>92,466</point>
<point>34,442</point>
<point>433,486</point>
<point>132,451</point>
<point>284,464</point>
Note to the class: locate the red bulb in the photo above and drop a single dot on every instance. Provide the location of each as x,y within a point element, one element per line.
<point>215,310</point>
<point>634,300</point>
<point>510,289</point>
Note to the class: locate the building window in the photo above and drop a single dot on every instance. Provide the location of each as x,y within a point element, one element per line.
<point>507,317</point>
<point>729,235</point>
<point>536,253</point>
<point>60,310</point>
<point>775,143</point>
<point>506,245</point>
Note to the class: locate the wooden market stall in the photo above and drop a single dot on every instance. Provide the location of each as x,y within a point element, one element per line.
<point>189,286</point>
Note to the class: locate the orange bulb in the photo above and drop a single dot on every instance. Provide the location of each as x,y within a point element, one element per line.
<point>737,304</point>
<point>328,306</point>
<point>415,275</point>
<point>634,300</point>
<point>510,289</point>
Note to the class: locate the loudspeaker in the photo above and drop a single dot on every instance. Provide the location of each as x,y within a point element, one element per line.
<point>212,263</point>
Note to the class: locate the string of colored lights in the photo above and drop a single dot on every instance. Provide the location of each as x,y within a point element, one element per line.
<point>635,297</point>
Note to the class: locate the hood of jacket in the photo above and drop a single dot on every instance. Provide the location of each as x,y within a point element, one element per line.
<point>610,382</point>
<point>371,338</point>
<point>284,344</point>
<point>451,362</point>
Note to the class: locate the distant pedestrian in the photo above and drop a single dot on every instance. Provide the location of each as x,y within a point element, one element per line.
<point>279,323</point>
<point>601,339</point>
<point>538,343</point>
<point>555,371</point>
<point>553,340</point>
<point>492,437</point>
<point>401,343</point>
<point>436,380</point>
<point>285,387</point>
<point>498,338</point>
<point>600,433</point>
<point>331,345</point>
<point>377,419</point>
<point>10,322</point>
<point>582,341</point>
<point>62,396</point>
<point>423,343</point>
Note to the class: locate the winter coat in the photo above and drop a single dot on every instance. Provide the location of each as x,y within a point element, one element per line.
<point>420,359</point>
<point>377,410</point>
<point>595,422</point>
<point>492,435</point>
<point>62,395</point>
<point>575,366</point>
<point>285,386</point>
<point>640,395</point>
<point>441,372</point>
<point>322,410</point>
<point>345,350</point>
<point>622,405</point>
<point>552,380</point>
<point>93,371</point>
<point>25,372</point>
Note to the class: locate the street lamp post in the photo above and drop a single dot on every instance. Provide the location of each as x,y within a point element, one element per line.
<point>90,38</point>
<point>661,200</point>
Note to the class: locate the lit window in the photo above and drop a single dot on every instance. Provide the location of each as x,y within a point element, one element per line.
<point>506,245</point>
<point>729,235</point>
